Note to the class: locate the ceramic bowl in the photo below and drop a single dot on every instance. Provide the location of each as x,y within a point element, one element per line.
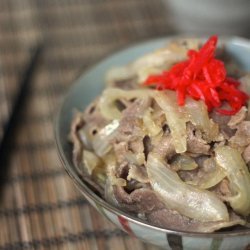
<point>83,91</point>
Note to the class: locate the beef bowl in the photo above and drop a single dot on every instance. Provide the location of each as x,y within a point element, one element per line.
<point>166,164</point>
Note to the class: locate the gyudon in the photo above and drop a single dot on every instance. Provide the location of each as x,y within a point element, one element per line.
<point>169,139</point>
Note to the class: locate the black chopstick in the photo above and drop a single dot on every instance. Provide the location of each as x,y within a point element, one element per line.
<point>12,123</point>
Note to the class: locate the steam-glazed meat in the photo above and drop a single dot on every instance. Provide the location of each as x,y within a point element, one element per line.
<point>223,120</point>
<point>242,135</point>
<point>143,200</point>
<point>131,122</point>
<point>164,146</point>
<point>238,118</point>
<point>76,125</point>
<point>195,143</point>
<point>171,219</point>
<point>246,154</point>
<point>138,173</point>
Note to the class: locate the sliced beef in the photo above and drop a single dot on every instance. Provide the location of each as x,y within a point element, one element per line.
<point>129,127</point>
<point>195,143</point>
<point>129,137</point>
<point>242,135</point>
<point>121,170</point>
<point>223,120</point>
<point>201,159</point>
<point>208,166</point>
<point>188,175</point>
<point>170,219</point>
<point>167,218</point>
<point>238,117</point>
<point>120,150</point>
<point>130,172</point>
<point>138,173</point>
<point>222,189</point>
<point>164,146</point>
<point>77,123</point>
<point>246,154</point>
<point>204,166</point>
<point>131,123</point>
<point>131,152</point>
<point>136,145</point>
<point>143,200</point>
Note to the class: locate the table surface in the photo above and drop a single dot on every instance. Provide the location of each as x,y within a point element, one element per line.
<point>41,208</point>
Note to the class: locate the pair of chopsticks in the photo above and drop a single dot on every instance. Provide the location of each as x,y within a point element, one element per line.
<point>14,117</point>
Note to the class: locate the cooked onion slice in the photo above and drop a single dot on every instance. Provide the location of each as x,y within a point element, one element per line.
<point>119,74</point>
<point>149,123</point>
<point>90,161</point>
<point>184,162</point>
<point>198,115</point>
<point>186,199</point>
<point>101,141</point>
<point>176,119</point>
<point>135,158</point>
<point>239,177</point>
<point>108,107</point>
<point>209,179</point>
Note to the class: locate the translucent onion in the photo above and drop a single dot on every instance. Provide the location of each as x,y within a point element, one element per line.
<point>239,177</point>
<point>184,162</point>
<point>119,74</point>
<point>87,136</point>
<point>176,119</point>
<point>209,179</point>
<point>185,199</point>
<point>109,193</point>
<point>108,107</point>
<point>150,64</point>
<point>149,123</point>
<point>135,158</point>
<point>101,141</point>
<point>158,60</point>
<point>90,161</point>
<point>137,173</point>
<point>198,115</point>
<point>110,162</point>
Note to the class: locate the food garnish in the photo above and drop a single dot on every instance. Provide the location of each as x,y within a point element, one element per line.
<point>203,77</point>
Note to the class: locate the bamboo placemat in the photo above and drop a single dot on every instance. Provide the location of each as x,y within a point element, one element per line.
<point>41,208</point>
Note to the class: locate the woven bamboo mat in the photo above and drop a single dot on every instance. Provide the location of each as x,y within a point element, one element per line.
<point>41,208</point>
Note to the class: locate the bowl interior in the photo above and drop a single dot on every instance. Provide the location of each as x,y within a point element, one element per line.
<point>90,84</point>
